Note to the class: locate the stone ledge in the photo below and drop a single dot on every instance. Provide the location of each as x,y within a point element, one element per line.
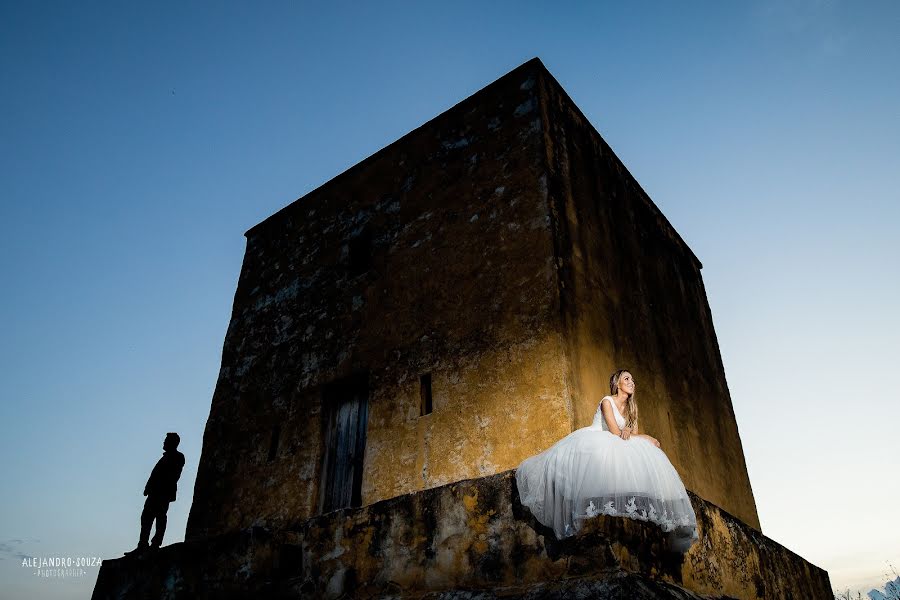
<point>469,539</point>
<point>622,586</point>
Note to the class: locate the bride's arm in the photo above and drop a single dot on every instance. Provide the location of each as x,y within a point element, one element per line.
<point>649,438</point>
<point>610,418</point>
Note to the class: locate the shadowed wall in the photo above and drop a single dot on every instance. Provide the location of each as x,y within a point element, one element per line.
<point>632,297</point>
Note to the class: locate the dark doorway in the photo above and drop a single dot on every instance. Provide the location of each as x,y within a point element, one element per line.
<point>345,406</point>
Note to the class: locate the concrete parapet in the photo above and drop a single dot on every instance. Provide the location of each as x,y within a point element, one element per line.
<point>470,539</point>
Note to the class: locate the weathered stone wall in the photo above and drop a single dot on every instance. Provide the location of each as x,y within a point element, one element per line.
<point>507,252</point>
<point>476,534</point>
<point>460,282</point>
<point>633,297</point>
<point>470,539</point>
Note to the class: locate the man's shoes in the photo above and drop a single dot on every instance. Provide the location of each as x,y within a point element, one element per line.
<point>141,548</point>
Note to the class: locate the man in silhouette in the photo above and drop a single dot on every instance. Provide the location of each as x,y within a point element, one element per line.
<point>160,490</point>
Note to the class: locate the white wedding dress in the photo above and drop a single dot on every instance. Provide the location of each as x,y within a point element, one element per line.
<point>594,472</point>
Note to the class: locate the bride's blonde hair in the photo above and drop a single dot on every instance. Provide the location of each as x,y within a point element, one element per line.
<point>631,409</point>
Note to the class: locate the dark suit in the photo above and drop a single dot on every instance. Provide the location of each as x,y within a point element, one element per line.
<point>160,490</point>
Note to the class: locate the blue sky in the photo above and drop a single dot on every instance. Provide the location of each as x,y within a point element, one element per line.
<point>139,141</point>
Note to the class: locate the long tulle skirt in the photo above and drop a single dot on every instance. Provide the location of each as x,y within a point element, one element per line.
<point>593,472</point>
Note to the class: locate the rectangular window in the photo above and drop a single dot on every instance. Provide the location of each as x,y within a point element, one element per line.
<point>273,445</point>
<point>425,394</point>
<point>360,251</point>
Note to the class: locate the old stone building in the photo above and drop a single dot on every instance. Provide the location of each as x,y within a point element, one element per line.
<point>437,313</point>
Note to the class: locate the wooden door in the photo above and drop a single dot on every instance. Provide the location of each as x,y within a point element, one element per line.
<point>346,414</point>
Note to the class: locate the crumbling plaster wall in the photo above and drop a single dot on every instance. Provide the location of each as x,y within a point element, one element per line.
<point>462,284</point>
<point>632,297</point>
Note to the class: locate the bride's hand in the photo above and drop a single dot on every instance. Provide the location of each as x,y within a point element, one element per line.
<point>650,439</point>
<point>625,433</point>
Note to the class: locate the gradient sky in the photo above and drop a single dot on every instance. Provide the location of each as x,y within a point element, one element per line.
<point>138,141</point>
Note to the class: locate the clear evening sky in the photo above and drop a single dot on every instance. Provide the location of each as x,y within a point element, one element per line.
<point>140,140</point>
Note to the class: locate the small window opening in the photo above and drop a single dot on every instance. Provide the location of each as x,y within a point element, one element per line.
<point>361,253</point>
<point>273,447</point>
<point>425,394</point>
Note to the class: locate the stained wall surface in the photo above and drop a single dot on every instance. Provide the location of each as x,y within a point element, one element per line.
<point>632,297</point>
<point>501,248</point>
<point>434,255</point>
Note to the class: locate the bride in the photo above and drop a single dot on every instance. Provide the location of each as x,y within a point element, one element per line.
<point>608,469</point>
